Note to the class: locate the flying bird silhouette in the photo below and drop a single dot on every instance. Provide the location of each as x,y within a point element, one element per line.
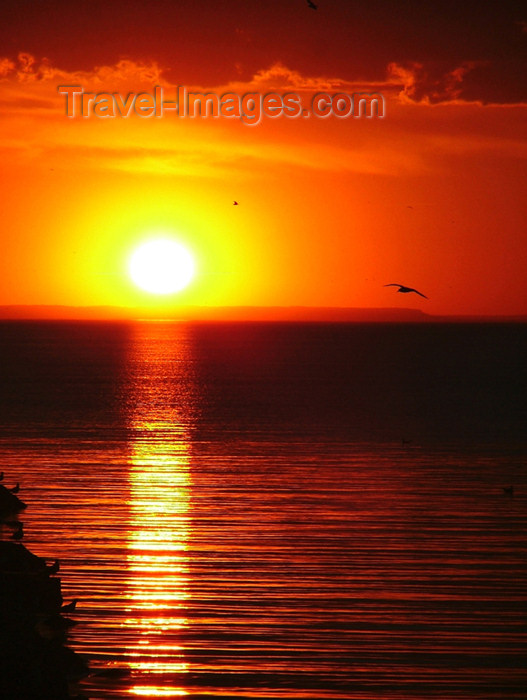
<point>235,203</point>
<point>405,290</point>
<point>312,5</point>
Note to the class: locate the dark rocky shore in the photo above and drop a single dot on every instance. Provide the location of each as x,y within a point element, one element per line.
<point>35,662</point>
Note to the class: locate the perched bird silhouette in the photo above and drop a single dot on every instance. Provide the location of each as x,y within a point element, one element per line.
<point>16,488</point>
<point>53,568</point>
<point>405,290</point>
<point>54,626</point>
<point>508,490</point>
<point>13,524</point>
<point>19,533</point>
<point>1,476</point>
<point>235,203</point>
<point>312,5</point>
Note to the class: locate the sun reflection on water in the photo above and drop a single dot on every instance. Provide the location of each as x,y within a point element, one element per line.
<point>160,508</point>
<point>150,692</point>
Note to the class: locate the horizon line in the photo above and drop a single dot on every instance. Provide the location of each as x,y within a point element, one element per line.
<point>247,313</point>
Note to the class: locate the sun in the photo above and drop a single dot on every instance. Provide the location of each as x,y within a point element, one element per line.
<point>161,266</point>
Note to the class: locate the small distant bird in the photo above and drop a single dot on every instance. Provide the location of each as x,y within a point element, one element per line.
<point>70,607</point>
<point>312,5</point>
<point>405,290</point>
<point>235,203</point>
<point>508,490</point>
<point>16,488</point>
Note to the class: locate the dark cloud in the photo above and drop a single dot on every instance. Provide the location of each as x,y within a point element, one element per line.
<point>431,84</point>
<point>211,41</point>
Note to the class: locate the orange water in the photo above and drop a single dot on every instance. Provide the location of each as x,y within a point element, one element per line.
<point>213,561</point>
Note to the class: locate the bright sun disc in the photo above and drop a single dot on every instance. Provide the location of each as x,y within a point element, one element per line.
<point>161,266</point>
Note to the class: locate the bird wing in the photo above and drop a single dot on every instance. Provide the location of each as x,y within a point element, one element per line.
<point>393,284</point>
<point>415,290</point>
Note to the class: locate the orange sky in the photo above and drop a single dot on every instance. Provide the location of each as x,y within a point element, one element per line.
<point>432,196</point>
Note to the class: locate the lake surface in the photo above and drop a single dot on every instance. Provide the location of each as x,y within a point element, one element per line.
<point>278,510</point>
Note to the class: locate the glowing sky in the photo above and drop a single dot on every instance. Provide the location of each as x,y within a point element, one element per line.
<point>432,196</point>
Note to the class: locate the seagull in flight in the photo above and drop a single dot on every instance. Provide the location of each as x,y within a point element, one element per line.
<point>312,5</point>
<point>405,290</point>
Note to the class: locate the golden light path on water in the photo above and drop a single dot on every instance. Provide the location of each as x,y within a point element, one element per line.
<point>159,526</point>
<point>228,532</point>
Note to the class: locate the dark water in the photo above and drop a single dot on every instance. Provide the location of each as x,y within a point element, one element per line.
<point>278,510</point>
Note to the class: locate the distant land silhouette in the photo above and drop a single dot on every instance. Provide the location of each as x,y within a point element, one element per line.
<point>240,313</point>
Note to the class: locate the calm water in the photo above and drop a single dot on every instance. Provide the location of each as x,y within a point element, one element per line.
<point>278,510</point>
